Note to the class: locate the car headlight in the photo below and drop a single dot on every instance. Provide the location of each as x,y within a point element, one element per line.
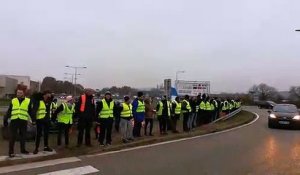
<point>273,116</point>
<point>297,117</point>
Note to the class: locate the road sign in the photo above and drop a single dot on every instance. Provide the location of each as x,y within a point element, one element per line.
<point>167,87</point>
<point>192,88</point>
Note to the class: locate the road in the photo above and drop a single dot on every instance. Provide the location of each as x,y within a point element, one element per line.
<point>253,149</point>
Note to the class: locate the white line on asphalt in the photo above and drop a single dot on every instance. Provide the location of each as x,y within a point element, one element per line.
<point>174,141</point>
<point>28,166</point>
<point>74,171</point>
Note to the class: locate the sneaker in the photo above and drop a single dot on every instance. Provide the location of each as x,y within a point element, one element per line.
<point>131,139</point>
<point>108,144</point>
<point>125,141</point>
<point>25,152</point>
<point>48,149</point>
<point>35,151</point>
<point>12,155</point>
<point>102,145</point>
<point>89,145</point>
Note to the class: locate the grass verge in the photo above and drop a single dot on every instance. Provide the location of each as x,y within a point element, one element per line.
<point>242,118</point>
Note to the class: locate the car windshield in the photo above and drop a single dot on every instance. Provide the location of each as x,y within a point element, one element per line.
<point>285,108</point>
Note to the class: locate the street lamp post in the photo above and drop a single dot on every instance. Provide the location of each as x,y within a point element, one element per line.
<point>72,77</point>
<point>75,75</point>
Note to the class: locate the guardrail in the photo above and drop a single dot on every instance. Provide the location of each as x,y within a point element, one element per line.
<point>228,116</point>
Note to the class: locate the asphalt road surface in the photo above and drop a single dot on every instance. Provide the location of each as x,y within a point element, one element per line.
<point>254,149</point>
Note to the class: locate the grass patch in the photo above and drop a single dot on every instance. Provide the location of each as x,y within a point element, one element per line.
<point>5,102</point>
<point>242,118</point>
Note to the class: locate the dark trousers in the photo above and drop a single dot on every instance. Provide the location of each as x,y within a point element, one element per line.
<point>208,117</point>
<point>16,127</point>
<point>200,117</point>
<point>148,121</point>
<point>175,118</point>
<point>84,127</point>
<point>105,130</point>
<point>186,117</point>
<point>63,128</point>
<point>163,123</point>
<point>42,129</point>
<point>137,128</point>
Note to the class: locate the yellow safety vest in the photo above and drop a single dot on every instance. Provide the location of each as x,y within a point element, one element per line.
<point>161,106</point>
<point>178,107</point>
<point>225,106</point>
<point>20,111</point>
<point>41,113</point>
<point>188,107</point>
<point>66,116</point>
<point>107,112</point>
<point>202,106</point>
<point>53,107</point>
<point>127,110</point>
<point>208,106</point>
<point>141,107</point>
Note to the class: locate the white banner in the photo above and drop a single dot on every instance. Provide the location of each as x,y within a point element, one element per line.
<point>192,88</point>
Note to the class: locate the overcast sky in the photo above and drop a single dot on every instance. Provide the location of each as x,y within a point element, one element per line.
<point>232,43</point>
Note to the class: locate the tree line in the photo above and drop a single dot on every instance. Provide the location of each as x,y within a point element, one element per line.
<point>60,87</point>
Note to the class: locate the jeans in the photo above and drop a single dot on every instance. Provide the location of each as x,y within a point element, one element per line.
<point>191,121</point>
<point>148,121</point>
<point>186,117</point>
<point>126,128</point>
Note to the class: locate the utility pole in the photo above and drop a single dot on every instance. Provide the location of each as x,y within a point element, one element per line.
<point>75,75</point>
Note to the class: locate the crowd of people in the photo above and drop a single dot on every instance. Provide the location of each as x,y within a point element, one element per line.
<point>132,117</point>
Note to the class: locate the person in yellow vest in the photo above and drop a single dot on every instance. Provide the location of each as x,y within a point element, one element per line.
<point>138,110</point>
<point>202,110</point>
<point>225,107</point>
<point>176,111</point>
<point>53,106</point>
<point>163,109</point>
<point>19,111</point>
<point>214,107</point>
<point>186,110</point>
<point>126,120</point>
<point>208,111</point>
<point>64,115</point>
<point>106,110</point>
<point>42,114</point>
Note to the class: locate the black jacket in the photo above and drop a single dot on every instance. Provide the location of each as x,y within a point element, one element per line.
<point>89,112</point>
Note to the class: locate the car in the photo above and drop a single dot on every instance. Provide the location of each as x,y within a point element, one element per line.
<point>266,104</point>
<point>286,115</point>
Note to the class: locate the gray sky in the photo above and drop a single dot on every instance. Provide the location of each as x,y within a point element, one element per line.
<point>232,43</point>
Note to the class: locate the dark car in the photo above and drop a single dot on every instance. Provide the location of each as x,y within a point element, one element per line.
<point>286,115</point>
<point>266,104</point>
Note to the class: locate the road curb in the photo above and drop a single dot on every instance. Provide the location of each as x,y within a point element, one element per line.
<point>174,141</point>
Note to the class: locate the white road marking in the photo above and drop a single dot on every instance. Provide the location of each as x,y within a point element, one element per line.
<point>74,171</point>
<point>23,156</point>
<point>28,166</point>
<point>174,141</point>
